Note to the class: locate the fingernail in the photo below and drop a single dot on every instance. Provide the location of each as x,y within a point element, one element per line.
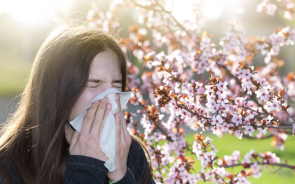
<point>109,106</point>
<point>104,100</point>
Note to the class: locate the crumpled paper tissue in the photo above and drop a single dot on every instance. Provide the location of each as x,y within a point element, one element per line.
<point>108,136</point>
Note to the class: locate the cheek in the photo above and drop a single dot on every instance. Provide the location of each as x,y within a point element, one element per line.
<point>83,102</point>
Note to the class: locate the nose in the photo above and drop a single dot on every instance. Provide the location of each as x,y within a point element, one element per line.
<point>106,86</point>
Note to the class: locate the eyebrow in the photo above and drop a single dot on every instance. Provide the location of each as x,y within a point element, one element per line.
<point>97,81</point>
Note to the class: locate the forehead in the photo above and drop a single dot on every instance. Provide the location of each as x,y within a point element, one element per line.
<point>105,66</point>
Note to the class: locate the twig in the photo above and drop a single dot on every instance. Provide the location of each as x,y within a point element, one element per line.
<point>184,107</point>
<point>172,4</point>
<point>289,115</point>
<point>284,127</point>
<point>281,127</point>
<point>145,7</point>
<point>168,12</point>
<point>158,160</point>
<point>158,127</point>
<point>165,11</point>
<point>240,84</point>
<point>249,137</point>
<point>277,170</point>
<point>259,163</point>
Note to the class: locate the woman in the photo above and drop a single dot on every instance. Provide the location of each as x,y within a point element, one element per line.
<point>38,145</point>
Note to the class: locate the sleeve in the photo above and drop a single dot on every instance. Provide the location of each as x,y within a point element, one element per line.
<point>81,169</point>
<point>138,159</point>
<point>128,178</point>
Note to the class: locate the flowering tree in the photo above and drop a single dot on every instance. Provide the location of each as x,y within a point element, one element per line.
<point>236,98</point>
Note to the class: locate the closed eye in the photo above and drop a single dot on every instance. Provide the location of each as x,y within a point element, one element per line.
<point>98,85</point>
<point>93,86</point>
<point>115,83</point>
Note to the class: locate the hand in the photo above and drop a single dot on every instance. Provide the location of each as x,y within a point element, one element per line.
<point>123,142</point>
<point>86,142</point>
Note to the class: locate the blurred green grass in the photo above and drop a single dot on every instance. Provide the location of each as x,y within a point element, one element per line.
<point>229,143</point>
<point>14,75</point>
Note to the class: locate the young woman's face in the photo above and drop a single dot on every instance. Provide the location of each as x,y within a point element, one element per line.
<point>105,73</point>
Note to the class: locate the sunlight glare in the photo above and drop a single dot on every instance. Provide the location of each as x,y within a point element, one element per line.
<point>212,9</point>
<point>180,9</point>
<point>35,11</point>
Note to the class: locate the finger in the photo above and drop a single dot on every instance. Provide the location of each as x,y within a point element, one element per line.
<point>124,129</point>
<point>98,118</point>
<point>107,111</point>
<point>118,103</point>
<point>88,119</point>
<point>74,140</point>
<point>124,126</point>
<point>127,135</point>
<point>118,129</point>
<point>119,110</point>
<point>120,117</point>
<point>123,135</point>
<point>123,140</point>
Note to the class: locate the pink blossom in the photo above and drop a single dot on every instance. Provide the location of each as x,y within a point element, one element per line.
<point>263,94</point>
<point>273,158</point>
<point>212,106</point>
<point>221,93</point>
<point>238,133</point>
<point>262,82</point>
<point>249,130</point>
<point>262,130</point>
<point>217,120</point>
<point>221,85</point>
<point>271,9</point>
<point>240,101</point>
<point>237,118</point>
<point>186,50</point>
<point>225,127</point>
<point>268,119</point>
<point>271,106</point>
<point>158,175</point>
<point>248,157</point>
<point>241,179</point>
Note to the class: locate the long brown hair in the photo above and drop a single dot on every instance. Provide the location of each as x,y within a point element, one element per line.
<point>33,139</point>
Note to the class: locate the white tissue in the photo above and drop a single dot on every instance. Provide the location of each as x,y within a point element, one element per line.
<point>108,136</point>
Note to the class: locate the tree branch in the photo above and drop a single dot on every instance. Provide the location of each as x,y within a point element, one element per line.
<point>240,84</point>
<point>289,115</point>
<point>284,127</point>
<point>168,12</point>
<point>265,137</point>
<point>184,107</point>
<point>165,11</point>
<point>259,163</point>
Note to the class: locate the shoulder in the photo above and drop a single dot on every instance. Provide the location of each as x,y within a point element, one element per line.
<point>136,151</point>
<point>135,145</point>
<point>137,160</point>
<point>139,164</point>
